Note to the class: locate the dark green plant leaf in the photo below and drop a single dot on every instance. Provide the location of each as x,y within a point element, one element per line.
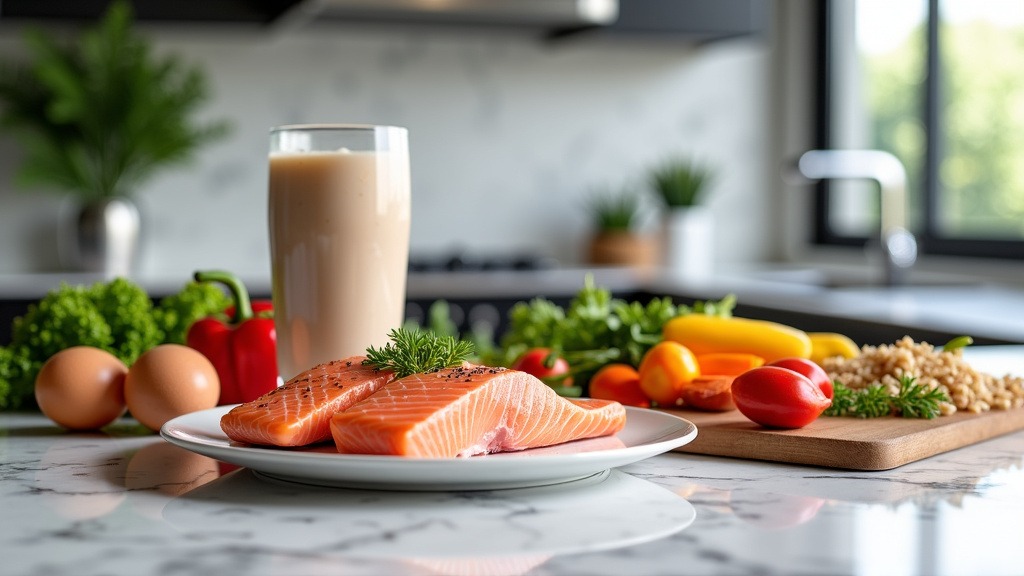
<point>103,114</point>
<point>680,182</point>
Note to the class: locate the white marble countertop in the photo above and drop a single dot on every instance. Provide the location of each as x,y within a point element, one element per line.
<point>125,502</point>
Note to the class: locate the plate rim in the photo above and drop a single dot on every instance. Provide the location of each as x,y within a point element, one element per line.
<point>200,432</point>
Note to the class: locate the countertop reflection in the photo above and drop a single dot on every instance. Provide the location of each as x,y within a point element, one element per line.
<point>126,502</point>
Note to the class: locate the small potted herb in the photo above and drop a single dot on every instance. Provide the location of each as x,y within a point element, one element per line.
<point>681,184</point>
<point>96,118</point>
<point>616,241</point>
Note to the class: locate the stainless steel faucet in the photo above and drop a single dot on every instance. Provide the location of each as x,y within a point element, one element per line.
<point>898,245</point>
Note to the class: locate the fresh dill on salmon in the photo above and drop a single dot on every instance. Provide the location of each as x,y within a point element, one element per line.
<point>413,351</point>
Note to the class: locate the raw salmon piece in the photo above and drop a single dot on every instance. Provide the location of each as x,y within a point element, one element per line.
<point>469,410</point>
<point>299,412</point>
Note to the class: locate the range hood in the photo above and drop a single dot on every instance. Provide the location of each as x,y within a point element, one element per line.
<point>546,13</point>
<point>692,21</point>
<point>536,13</point>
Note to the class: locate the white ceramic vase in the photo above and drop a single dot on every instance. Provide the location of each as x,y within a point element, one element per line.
<point>689,244</point>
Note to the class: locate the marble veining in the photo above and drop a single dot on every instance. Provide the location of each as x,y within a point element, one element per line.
<point>126,502</point>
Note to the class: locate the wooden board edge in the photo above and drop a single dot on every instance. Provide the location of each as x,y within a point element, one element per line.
<point>826,452</point>
<point>855,454</point>
<point>913,447</point>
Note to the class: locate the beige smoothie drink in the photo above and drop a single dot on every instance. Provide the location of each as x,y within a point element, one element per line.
<point>339,238</point>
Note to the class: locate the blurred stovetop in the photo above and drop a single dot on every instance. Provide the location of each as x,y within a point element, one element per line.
<point>464,261</point>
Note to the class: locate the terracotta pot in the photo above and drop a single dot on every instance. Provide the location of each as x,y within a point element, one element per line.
<point>618,248</point>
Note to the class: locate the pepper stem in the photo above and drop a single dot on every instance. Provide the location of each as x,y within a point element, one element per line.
<point>243,306</point>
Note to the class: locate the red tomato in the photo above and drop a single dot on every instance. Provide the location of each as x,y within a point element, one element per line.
<point>534,361</point>
<point>778,397</point>
<point>619,382</point>
<point>711,393</point>
<point>810,369</point>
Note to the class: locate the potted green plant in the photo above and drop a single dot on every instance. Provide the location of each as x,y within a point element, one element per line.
<point>687,225</point>
<point>615,240</point>
<point>96,118</point>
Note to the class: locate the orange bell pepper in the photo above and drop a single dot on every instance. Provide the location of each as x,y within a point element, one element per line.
<point>728,363</point>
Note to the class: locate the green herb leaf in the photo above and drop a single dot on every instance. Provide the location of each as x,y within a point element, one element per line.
<point>723,307</point>
<point>196,300</point>
<point>680,182</point>
<point>414,351</point>
<point>873,402</point>
<point>912,401</point>
<point>957,343</point>
<point>843,401</point>
<point>917,401</point>
<point>101,115</point>
<point>614,211</point>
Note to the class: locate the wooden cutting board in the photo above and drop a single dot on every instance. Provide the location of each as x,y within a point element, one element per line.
<point>851,443</point>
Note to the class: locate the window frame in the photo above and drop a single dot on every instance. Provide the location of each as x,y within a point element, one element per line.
<point>930,241</point>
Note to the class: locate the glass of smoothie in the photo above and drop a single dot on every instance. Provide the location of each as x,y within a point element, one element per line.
<point>339,218</point>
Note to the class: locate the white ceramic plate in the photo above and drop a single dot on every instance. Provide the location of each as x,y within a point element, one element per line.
<point>647,433</point>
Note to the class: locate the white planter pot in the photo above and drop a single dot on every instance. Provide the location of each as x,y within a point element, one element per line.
<point>689,243</point>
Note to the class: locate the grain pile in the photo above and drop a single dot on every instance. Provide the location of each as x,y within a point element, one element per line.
<point>948,371</point>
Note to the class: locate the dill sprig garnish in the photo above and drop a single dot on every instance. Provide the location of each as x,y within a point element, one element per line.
<point>911,401</point>
<point>917,401</point>
<point>414,351</point>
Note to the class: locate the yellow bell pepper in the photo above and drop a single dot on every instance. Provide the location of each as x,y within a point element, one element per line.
<point>704,334</point>
<point>830,344</point>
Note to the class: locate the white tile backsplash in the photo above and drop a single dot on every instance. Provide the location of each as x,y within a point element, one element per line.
<point>507,135</point>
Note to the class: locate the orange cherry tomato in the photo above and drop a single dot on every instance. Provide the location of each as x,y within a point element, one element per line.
<point>665,371</point>
<point>711,393</point>
<point>619,382</point>
<point>728,363</point>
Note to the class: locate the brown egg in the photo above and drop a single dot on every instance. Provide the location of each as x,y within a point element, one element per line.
<point>168,381</point>
<point>82,388</point>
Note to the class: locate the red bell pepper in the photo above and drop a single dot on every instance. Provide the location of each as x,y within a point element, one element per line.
<point>243,350</point>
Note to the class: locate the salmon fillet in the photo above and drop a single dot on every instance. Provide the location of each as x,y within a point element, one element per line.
<point>465,411</point>
<point>299,412</point>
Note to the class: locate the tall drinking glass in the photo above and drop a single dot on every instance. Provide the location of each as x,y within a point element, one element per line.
<point>339,239</point>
